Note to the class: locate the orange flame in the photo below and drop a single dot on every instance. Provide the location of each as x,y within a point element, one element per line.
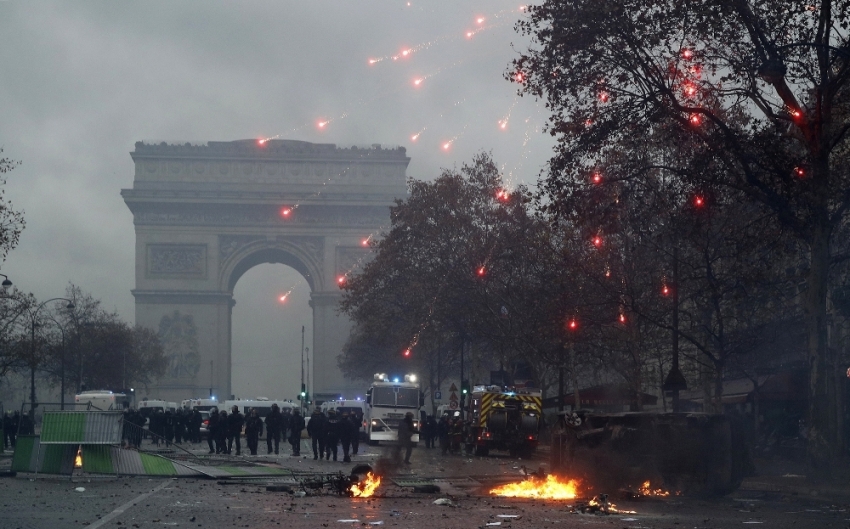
<point>552,488</point>
<point>647,490</point>
<point>367,487</point>
<point>78,461</point>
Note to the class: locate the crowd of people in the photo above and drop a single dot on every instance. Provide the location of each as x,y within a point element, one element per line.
<point>445,433</point>
<point>328,433</point>
<point>225,430</point>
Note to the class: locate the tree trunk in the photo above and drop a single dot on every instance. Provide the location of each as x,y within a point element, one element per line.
<point>823,432</point>
<point>718,388</point>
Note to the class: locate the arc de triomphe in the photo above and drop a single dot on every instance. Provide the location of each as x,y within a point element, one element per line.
<point>206,214</point>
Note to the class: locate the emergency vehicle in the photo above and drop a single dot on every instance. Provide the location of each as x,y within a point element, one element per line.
<point>199,404</point>
<point>503,419</point>
<point>150,406</point>
<point>387,401</point>
<point>103,400</point>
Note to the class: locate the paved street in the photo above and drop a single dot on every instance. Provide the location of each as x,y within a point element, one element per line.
<point>50,502</point>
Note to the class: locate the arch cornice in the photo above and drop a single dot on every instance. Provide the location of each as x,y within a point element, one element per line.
<point>239,253</point>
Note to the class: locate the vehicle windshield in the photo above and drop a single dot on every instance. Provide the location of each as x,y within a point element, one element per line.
<point>395,397</point>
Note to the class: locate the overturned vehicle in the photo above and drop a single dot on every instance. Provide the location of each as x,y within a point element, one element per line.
<point>695,453</point>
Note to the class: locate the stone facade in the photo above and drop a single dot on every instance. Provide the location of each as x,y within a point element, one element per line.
<point>206,214</point>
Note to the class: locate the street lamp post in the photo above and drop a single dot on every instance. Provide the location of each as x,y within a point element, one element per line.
<point>303,395</point>
<point>61,366</point>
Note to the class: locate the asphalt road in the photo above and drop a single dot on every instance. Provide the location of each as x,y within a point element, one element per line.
<point>49,502</point>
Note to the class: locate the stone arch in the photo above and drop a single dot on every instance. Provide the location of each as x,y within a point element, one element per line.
<point>204,214</point>
<point>302,256</point>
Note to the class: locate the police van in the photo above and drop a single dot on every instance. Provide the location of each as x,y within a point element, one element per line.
<point>102,400</point>
<point>149,407</point>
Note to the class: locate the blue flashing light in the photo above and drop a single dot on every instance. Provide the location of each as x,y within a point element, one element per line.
<point>395,380</point>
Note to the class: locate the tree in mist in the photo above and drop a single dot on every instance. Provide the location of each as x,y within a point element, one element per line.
<point>755,89</point>
<point>11,221</point>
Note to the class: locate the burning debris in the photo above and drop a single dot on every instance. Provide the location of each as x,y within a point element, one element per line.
<point>599,504</point>
<point>78,460</point>
<point>549,488</point>
<point>644,491</point>
<point>367,487</point>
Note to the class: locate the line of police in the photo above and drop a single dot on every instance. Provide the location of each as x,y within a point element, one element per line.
<point>225,430</point>
<point>163,427</point>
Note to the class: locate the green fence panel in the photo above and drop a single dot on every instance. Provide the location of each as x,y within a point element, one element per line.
<point>22,458</point>
<point>63,427</point>
<point>157,466</point>
<point>98,459</point>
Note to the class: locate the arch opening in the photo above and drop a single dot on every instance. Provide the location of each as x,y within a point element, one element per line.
<point>266,332</point>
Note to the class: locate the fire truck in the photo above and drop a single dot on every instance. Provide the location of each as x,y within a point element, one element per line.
<point>387,403</point>
<point>503,419</point>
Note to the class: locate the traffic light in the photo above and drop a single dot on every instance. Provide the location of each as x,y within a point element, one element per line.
<point>464,387</point>
<point>303,394</point>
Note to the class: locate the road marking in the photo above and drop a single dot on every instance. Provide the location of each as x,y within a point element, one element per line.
<point>121,509</point>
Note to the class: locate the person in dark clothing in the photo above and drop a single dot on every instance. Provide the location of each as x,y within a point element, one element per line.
<point>430,432</point>
<point>154,429</point>
<point>274,422</point>
<point>221,433</point>
<point>139,429</point>
<point>168,427</point>
<point>287,420</point>
<point>212,429</point>
<point>7,430</point>
<point>443,428</point>
<point>26,426</point>
<point>356,422</point>
<point>405,438</point>
<point>296,426</point>
<point>332,430</point>
<point>253,430</point>
<point>195,422</point>
<point>345,427</point>
<point>316,431</point>
<point>16,423</point>
<point>235,421</point>
<point>179,426</point>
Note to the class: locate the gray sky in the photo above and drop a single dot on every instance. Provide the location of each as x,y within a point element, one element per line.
<point>83,81</point>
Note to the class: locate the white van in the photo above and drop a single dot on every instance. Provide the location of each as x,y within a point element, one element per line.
<point>102,400</point>
<point>149,407</point>
<point>200,404</point>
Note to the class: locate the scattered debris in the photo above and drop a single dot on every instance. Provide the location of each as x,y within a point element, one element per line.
<point>278,487</point>
<point>444,501</point>
<point>80,489</point>
<point>426,489</point>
